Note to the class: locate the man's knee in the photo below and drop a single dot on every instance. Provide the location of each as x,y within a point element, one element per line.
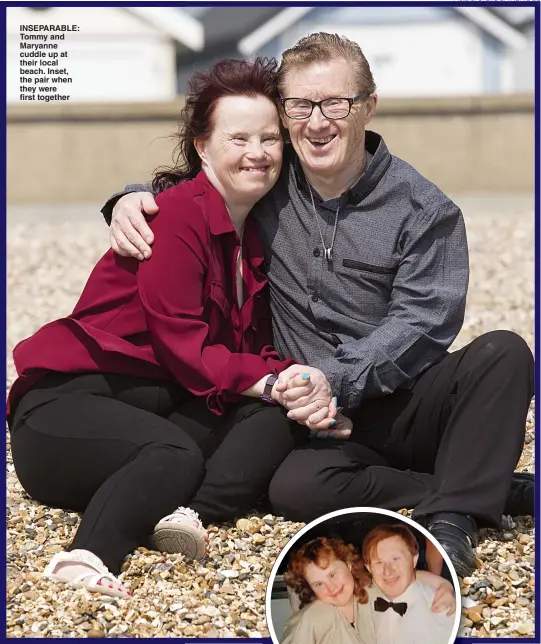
<point>504,345</point>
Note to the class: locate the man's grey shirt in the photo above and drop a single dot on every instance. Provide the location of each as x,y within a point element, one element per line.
<point>393,298</point>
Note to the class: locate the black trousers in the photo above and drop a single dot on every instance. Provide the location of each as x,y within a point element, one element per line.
<point>127,451</point>
<point>451,443</point>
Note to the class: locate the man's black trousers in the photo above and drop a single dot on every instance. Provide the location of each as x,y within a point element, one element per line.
<point>127,451</point>
<point>451,443</point>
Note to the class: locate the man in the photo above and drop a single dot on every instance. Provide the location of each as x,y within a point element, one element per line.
<point>368,270</point>
<point>399,604</point>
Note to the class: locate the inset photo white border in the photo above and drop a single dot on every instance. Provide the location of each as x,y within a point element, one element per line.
<point>360,510</point>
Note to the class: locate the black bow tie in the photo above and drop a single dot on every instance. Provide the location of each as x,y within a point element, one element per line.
<point>381,605</point>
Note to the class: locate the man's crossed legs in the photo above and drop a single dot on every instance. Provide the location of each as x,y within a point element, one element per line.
<point>447,448</point>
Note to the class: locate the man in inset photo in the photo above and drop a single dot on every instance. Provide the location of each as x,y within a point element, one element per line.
<point>400,603</point>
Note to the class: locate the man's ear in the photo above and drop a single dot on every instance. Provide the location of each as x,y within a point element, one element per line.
<point>200,148</point>
<point>370,107</point>
<point>415,560</point>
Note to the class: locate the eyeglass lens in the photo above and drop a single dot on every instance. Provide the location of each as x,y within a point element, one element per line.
<point>334,108</point>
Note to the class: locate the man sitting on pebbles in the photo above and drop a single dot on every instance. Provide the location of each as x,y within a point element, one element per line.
<point>368,269</point>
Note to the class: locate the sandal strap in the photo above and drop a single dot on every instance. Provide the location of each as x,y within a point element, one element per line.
<point>77,556</point>
<point>92,578</point>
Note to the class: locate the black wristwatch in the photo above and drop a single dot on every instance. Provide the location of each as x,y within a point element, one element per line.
<point>266,396</point>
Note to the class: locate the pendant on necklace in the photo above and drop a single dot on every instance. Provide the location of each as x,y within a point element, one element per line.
<point>328,254</point>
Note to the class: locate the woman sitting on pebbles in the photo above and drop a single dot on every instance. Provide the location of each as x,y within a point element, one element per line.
<point>330,580</point>
<point>158,390</point>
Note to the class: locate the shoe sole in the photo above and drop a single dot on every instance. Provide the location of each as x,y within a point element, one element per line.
<point>183,540</point>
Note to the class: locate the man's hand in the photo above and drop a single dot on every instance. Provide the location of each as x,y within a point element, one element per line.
<point>444,600</point>
<point>129,234</point>
<point>341,429</point>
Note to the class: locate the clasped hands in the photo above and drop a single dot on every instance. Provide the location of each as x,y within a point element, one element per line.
<point>306,394</point>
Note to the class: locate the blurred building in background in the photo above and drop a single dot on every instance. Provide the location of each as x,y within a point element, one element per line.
<point>413,51</point>
<point>118,54</point>
<point>456,87</point>
<point>148,53</point>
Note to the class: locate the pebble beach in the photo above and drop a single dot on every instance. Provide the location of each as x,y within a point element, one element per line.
<point>50,253</point>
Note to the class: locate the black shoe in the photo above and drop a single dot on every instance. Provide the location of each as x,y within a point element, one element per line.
<point>457,534</point>
<point>521,498</point>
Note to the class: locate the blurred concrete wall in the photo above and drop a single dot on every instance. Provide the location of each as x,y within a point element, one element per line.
<point>82,153</point>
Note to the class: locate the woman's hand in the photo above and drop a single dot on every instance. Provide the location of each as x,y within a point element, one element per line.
<point>322,418</point>
<point>129,234</point>
<point>303,391</point>
<point>444,600</point>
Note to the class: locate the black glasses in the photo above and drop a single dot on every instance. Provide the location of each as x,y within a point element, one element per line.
<point>331,108</point>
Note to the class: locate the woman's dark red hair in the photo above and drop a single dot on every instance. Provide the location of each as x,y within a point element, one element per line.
<point>322,552</point>
<point>205,89</point>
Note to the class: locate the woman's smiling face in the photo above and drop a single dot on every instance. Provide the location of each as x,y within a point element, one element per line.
<point>333,584</point>
<point>242,156</point>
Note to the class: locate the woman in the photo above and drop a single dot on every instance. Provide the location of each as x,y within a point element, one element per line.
<point>158,390</point>
<point>330,580</point>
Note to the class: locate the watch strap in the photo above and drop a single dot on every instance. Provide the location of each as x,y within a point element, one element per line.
<point>266,396</point>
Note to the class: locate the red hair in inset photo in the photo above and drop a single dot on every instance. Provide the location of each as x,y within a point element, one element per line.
<point>322,552</point>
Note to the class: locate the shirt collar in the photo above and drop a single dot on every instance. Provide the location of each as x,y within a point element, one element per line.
<point>220,222</point>
<point>216,211</point>
<point>409,595</point>
<point>374,171</point>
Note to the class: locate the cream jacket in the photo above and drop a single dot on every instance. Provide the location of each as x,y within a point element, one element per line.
<point>320,623</point>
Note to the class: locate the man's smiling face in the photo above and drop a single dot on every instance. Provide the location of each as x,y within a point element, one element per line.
<point>392,566</point>
<point>327,147</point>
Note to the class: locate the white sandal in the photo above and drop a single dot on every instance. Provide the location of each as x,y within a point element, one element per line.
<point>180,532</point>
<point>89,580</point>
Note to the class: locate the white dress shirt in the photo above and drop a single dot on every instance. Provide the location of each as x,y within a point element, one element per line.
<point>419,625</point>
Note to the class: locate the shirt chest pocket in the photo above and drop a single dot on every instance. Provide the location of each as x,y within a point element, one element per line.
<point>356,265</point>
<point>365,288</point>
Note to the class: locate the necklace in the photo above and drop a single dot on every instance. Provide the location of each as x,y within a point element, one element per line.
<point>327,252</point>
<point>240,282</point>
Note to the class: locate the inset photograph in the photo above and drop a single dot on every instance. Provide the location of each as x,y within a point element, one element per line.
<point>363,576</point>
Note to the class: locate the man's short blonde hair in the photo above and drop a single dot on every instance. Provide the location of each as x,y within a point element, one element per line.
<point>324,47</point>
<point>382,532</point>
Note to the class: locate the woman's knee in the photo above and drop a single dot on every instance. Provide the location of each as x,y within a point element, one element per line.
<point>297,497</point>
<point>176,458</point>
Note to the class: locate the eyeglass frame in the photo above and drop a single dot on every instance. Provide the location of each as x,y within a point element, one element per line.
<point>350,100</point>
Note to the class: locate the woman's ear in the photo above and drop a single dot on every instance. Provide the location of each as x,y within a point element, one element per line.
<point>200,148</point>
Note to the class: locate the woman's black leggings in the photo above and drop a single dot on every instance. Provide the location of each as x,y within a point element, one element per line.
<point>126,451</point>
